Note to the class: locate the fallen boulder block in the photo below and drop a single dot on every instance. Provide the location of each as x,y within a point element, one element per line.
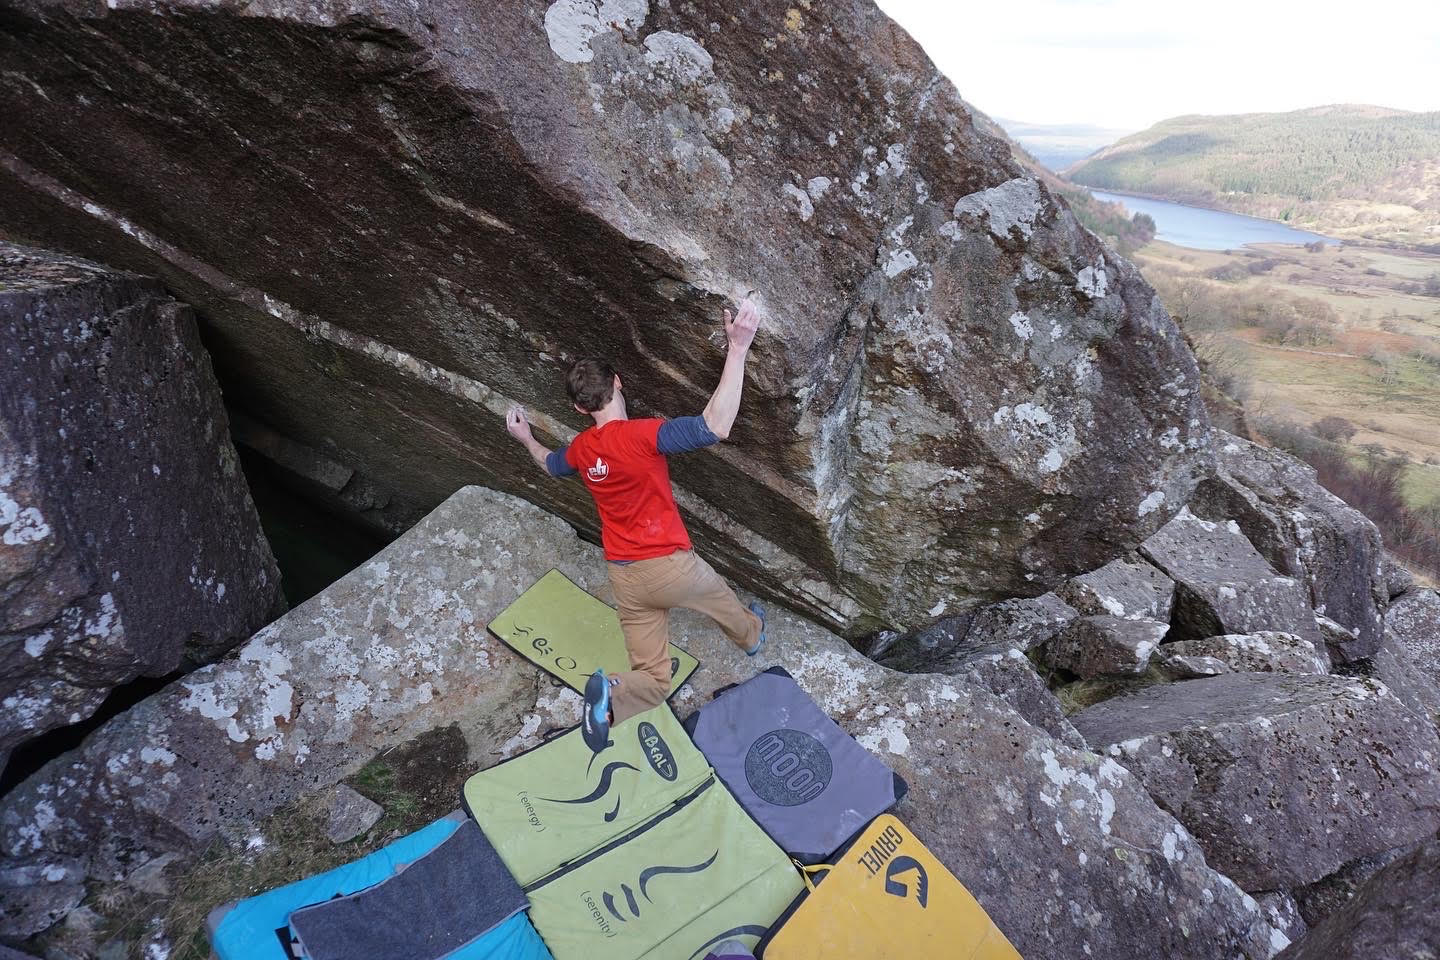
<point>1223,585</point>
<point>1281,777</point>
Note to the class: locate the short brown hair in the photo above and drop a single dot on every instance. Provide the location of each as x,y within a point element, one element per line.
<point>591,383</point>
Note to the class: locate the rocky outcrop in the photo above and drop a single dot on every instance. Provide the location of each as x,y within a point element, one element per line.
<point>1395,915</point>
<point>399,646</point>
<point>1101,646</point>
<point>349,814</point>
<point>1414,621</point>
<point>1319,900</point>
<point>398,217</point>
<point>1398,578</point>
<point>1304,531</point>
<point>1020,624</point>
<point>1283,912</point>
<point>1242,653</point>
<point>1223,585</point>
<point>1394,666</point>
<point>128,541</point>
<point>1281,777</point>
<point>1010,676</point>
<point>1128,587</point>
<point>320,479</point>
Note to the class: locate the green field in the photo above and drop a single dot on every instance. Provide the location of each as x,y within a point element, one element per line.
<point>1371,368</point>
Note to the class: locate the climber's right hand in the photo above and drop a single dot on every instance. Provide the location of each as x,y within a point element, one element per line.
<point>516,424</point>
<point>740,331</point>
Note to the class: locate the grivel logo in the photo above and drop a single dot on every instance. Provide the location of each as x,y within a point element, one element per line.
<point>901,866</point>
<point>788,767</point>
<point>657,751</point>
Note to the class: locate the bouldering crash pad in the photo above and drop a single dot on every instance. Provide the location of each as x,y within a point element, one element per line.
<point>887,898</point>
<point>656,892</point>
<point>804,779</point>
<point>570,634</point>
<point>559,801</point>
<point>258,928</point>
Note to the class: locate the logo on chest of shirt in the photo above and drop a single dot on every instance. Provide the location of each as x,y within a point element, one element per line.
<point>599,472</point>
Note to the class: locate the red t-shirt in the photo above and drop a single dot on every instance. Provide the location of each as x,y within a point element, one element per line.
<point>629,479</point>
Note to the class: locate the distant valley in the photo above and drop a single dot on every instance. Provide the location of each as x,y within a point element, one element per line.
<point>1060,145</point>
<point>1359,173</point>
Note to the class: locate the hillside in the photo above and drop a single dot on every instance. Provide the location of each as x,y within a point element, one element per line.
<point>1061,145</point>
<point>1360,173</point>
<point>1125,232</point>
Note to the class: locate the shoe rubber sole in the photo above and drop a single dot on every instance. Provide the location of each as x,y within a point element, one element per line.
<point>595,724</point>
<point>759,611</point>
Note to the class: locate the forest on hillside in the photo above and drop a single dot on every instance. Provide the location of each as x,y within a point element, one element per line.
<point>1361,172</point>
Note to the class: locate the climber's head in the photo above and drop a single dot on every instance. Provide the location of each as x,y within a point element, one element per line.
<point>593,386</point>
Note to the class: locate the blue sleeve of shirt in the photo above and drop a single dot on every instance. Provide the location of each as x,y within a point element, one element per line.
<point>684,434</point>
<point>557,465</point>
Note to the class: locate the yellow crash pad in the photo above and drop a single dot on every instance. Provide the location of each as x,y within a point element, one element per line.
<point>888,898</point>
<point>565,631</point>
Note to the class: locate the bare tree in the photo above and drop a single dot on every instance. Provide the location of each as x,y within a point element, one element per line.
<point>1335,429</point>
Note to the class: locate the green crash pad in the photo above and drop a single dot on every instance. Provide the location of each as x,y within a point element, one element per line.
<point>668,888</point>
<point>557,802</point>
<point>565,631</point>
<point>636,853</point>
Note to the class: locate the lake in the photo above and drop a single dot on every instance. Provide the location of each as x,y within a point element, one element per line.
<point>1202,229</point>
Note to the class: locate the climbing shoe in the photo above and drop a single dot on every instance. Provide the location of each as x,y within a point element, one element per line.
<point>595,726</point>
<point>759,611</point>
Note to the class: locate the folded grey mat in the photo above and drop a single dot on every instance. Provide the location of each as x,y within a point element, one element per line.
<point>451,896</point>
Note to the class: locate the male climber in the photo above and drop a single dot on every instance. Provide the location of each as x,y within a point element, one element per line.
<point>651,563</point>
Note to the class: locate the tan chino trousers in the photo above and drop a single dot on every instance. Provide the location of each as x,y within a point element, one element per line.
<point>645,592</point>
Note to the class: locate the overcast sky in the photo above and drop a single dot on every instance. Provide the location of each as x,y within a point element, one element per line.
<point>1129,63</point>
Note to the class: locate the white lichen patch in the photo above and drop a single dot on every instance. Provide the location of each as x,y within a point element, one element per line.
<point>678,57</point>
<point>800,201</point>
<point>1092,281</point>
<point>1013,205</point>
<point>834,680</point>
<point>157,755</point>
<point>1151,503</point>
<point>817,186</point>
<point>899,262</point>
<point>205,699</point>
<point>1030,424</point>
<point>1026,413</point>
<point>1022,326</point>
<point>895,160</point>
<point>1170,846</point>
<point>35,645</point>
<point>888,734</point>
<point>571,24</point>
<point>19,525</point>
<point>926,334</point>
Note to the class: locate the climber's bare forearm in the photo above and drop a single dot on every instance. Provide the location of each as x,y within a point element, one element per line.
<point>538,452</point>
<point>724,404</point>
